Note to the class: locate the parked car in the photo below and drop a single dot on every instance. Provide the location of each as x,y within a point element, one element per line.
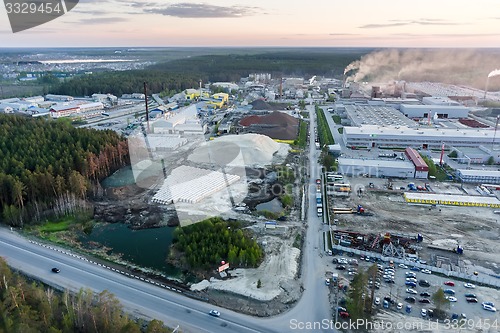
<point>469,285</point>
<point>471,300</point>
<point>402,266</point>
<point>399,306</point>
<point>414,268</point>
<point>341,309</point>
<point>449,291</point>
<point>489,308</point>
<point>424,300</point>
<point>488,303</point>
<point>410,283</point>
<point>470,295</point>
<point>426,271</point>
<point>423,312</point>
<point>451,298</point>
<point>214,313</point>
<point>386,305</point>
<point>424,283</point>
<point>425,294</point>
<point>410,299</point>
<point>411,291</point>
<point>411,274</point>
<point>327,282</point>
<point>340,267</point>
<point>377,301</point>
<point>450,283</point>
<point>408,308</point>
<point>344,314</point>
<point>430,313</point>
<point>454,316</point>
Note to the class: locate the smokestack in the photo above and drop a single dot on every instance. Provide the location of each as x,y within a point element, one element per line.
<point>429,118</point>
<point>281,88</point>
<point>442,154</point>
<point>146,101</point>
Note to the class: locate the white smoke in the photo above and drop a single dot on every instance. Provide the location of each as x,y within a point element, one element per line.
<point>454,66</point>
<point>494,73</point>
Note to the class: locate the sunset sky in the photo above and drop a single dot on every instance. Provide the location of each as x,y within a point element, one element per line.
<point>324,23</point>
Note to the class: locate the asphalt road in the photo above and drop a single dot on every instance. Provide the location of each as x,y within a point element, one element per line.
<point>138,297</point>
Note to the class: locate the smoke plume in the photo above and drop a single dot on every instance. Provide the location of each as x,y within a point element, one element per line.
<point>494,73</point>
<point>466,67</point>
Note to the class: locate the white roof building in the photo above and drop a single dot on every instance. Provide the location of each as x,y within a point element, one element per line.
<point>376,168</point>
<point>402,136</point>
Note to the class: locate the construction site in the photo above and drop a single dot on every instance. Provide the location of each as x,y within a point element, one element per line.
<point>377,218</point>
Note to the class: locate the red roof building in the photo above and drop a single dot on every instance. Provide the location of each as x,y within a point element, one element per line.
<point>421,168</point>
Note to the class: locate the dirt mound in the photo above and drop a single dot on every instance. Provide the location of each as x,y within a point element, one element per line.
<point>277,125</point>
<point>260,104</point>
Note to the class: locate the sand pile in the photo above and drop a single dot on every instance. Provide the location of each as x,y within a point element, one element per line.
<point>240,151</point>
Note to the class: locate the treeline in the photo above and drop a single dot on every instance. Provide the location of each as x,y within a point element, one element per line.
<point>179,74</point>
<point>324,133</point>
<point>27,306</point>
<point>207,243</point>
<point>51,165</point>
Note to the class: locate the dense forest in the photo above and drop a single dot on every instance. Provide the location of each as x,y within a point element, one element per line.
<point>179,74</point>
<point>205,244</point>
<point>27,306</point>
<point>51,165</point>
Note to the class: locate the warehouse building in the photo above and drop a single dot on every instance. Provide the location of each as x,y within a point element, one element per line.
<point>376,115</point>
<point>376,168</point>
<point>479,176</point>
<point>6,108</point>
<point>59,98</point>
<point>477,155</point>
<point>421,168</point>
<point>58,111</point>
<point>438,111</point>
<point>451,199</point>
<point>401,136</point>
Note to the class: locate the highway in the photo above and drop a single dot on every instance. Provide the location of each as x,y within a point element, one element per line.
<point>149,301</point>
<point>139,298</point>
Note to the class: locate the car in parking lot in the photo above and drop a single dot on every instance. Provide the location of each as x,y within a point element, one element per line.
<point>470,295</point>
<point>424,300</point>
<point>471,300</point>
<point>410,299</point>
<point>430,313</point>
<point>426,271</point>
<point>341,309</point>
<point>411,291</point>
<point>414,268</point>
<point>386,304</point>
<point>423,312</point>
<point>399,306</point>
<point>408,308</point>
<point>377,301</point>
<point>214,313</point>
<point>469,285</point>
<point>411,283</point>
<point>327,281</point>
<point>489,308</point>
<point>340,267</point>
<point>56,270</point>
<point>424,283</point>
<point>451,298</point>
<point>411,280</point>
<point>344,314</point>
<point>488,303</point>
<point>449,291</point>
<point>402,266</point>
<point>449,283</point>
<point>410,274</point>
<point>425,294</point>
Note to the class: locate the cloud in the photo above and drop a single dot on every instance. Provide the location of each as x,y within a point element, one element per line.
<point>399,23</point>
<point>102,20</point>
<point>342,34</point>
<point>202,10</point>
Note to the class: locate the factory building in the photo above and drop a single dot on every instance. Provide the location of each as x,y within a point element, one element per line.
<point>105,98</point>
<point>451,199</point>
<point>376,168</point>
<point>401,136</point>
<point>439,100</point>
<point>59,98</point>
<point>376,115</point>
<point>34,99</point>
<point>134,96</point>
<point>421,168</point>
<point>437,111</point>
<point>91,107</point>
<point>63,110</point>
<point>477,155</point>
<point>479,176</point>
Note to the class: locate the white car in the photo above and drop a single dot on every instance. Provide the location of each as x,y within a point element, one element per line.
<point>214,313</point>
<point>399,306</point>
<point>426,271</point>
<point>489,308</point>
<point>469,285</point>
<point>451,298</point>
<point>423,313</point>
<point>377,301</point>
<point>402,266</point>
<point>411,291</point>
